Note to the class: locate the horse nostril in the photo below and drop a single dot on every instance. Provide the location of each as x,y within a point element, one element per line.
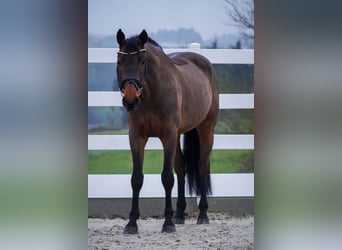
<point>130,106</point>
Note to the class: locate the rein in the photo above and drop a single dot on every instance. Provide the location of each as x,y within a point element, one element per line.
<point>133,80</point>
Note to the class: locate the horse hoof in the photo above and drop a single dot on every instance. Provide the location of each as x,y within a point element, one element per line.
<point>168,229</point>
<point>202,221</point>
<point>178,220</point>
<point>130,230</point>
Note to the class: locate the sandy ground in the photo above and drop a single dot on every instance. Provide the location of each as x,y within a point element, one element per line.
<point>223,232</point>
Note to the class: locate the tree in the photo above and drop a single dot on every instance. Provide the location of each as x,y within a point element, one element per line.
<point>241,13</point>
<point>237,45</point>
<point>213,44</point>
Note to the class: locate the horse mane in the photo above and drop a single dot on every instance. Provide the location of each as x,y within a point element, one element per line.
<point>131,43</point>
<point>150,40</point>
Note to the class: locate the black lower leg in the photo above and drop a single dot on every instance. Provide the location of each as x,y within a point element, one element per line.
<point>203,205</point>
<point>168,181</point>
<point>180,170</point>
<point>136,182</point>
<point>181,204</point>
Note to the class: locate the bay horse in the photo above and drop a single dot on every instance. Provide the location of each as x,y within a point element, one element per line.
<point>166,96</point>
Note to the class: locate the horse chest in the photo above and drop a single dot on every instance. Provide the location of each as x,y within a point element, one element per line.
<point>152,124</point>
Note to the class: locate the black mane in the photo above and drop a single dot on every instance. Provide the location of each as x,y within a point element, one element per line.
<point>150,40</point>
<point>132,43</point>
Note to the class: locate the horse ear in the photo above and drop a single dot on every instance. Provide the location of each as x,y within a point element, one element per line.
<point>143,36</point>
<point>120,37</point>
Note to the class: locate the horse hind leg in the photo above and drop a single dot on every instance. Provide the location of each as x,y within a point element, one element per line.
<point>203,204</point>
<point>206,139</point>
<point>197,147</point>
<point>180,171</point>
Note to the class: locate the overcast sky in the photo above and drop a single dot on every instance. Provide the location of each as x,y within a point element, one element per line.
<point>208,17</point>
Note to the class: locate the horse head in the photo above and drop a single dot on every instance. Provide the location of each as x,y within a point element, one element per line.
<point>131,68</point>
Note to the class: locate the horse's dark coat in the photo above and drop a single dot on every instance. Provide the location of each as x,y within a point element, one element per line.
<point>179,95</point>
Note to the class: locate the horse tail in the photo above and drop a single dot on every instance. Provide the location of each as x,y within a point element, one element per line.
<point>191,156</point>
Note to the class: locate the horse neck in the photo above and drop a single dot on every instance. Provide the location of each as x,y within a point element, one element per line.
<point>157,63</point>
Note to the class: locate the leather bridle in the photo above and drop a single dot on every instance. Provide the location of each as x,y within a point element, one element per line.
<point>138,84</point>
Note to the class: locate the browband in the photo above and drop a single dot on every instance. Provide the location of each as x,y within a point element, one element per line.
<point>131,53</point>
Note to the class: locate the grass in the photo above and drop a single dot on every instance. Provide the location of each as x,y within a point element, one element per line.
<point>109,132</point>
<point>120,162</point>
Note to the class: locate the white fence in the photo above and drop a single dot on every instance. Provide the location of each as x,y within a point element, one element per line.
<point>223,185</point>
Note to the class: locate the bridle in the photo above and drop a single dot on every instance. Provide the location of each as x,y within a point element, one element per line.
<point>133,80</point>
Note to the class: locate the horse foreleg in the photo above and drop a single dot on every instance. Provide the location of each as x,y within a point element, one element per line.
<point>137,149</point>
<point>170,145</point>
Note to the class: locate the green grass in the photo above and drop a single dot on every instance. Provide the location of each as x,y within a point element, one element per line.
<point>109,132</point>
<point>120,162</point>
<point>232,161</point>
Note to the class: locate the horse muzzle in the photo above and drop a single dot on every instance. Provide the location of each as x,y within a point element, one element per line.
<point>130,96</point>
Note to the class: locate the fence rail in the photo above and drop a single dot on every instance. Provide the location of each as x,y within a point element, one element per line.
<point>218,56</point>
<point>118,186</point>
<point>114,99</point>
<point>120,142</point>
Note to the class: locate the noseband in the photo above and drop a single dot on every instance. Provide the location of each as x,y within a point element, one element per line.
<point>133,80</point>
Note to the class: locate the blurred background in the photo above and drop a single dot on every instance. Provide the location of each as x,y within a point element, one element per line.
<point>43,116</point>
<point>298,122</point>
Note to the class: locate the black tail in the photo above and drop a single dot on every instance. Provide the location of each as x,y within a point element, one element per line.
<point>191,156</point>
